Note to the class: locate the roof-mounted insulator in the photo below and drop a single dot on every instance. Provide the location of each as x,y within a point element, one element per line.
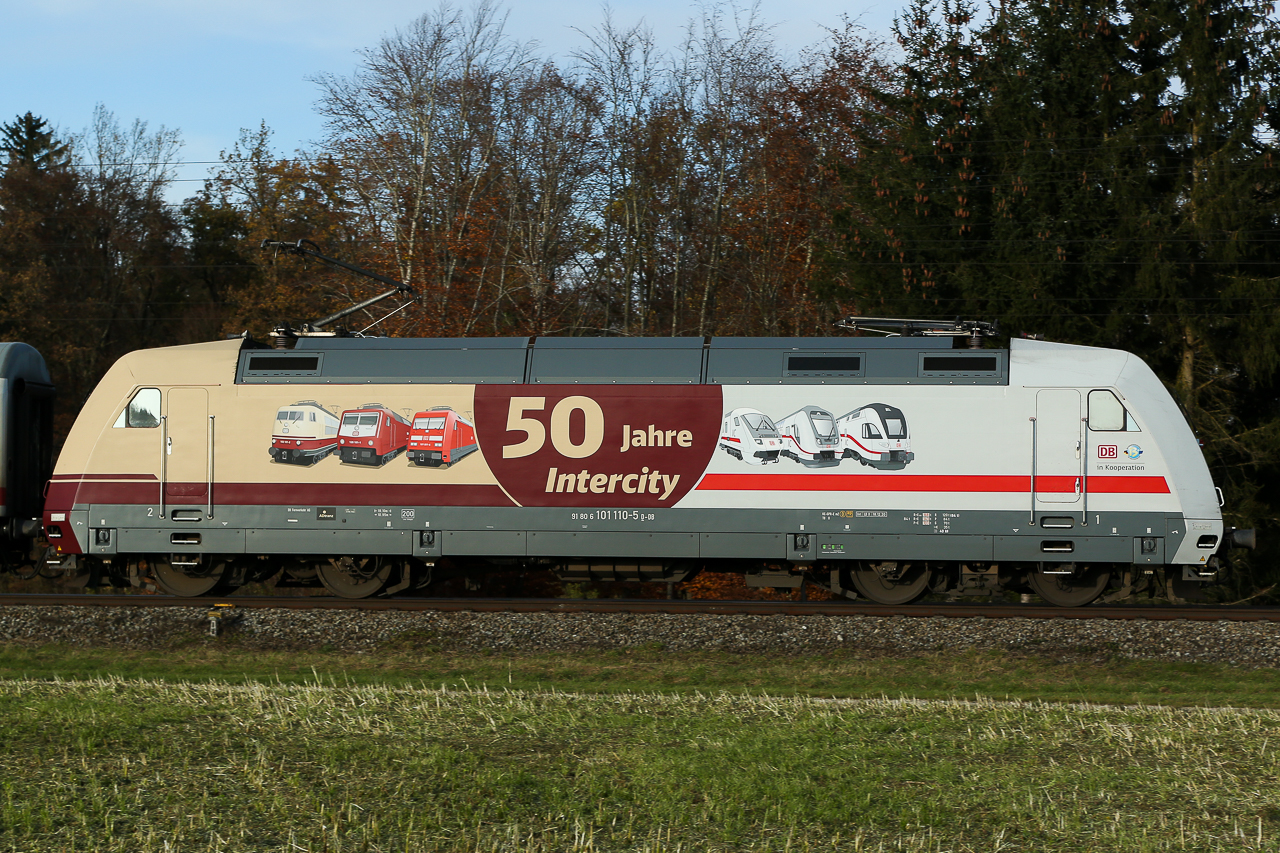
<point>974,330</point>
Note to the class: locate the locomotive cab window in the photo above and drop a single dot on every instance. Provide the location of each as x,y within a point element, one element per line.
<point>1108,414</point>
<point>143,411</point>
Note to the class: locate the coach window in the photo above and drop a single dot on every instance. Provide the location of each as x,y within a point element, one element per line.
<point>143,410</point>
<point>1107,414</point>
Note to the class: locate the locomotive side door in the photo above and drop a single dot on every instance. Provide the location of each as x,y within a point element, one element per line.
<point>186,445</point>
<point>1058,472</point>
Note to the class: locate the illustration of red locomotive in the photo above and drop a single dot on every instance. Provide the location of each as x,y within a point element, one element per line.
<point>440,437</point>
<point>371,435</point>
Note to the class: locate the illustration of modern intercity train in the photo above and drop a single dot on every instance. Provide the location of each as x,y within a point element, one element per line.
<point>749,435</point>
<point>304,433</point>
<point>440,437</point>
<point>876,435</point>
<point>371,435</point>
<point>809,437</point>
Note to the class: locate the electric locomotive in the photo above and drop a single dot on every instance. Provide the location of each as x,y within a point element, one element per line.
<point>371,434</point>
<point>876,435</point>
<point>604,458</point>
<point>440,437</point>
<point>304,433</point>
<point>810,437</point>
<point>749,435</point>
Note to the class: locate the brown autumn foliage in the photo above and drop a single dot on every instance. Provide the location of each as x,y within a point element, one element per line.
<point>732,586</point>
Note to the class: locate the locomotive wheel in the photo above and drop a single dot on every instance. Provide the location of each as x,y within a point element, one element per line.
<point>1074,590</point>
<point>354,577</point>
<point>911,583</point>
<point>190,581</point>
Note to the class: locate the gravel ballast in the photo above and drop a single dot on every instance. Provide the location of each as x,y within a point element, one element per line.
<point>353,631</point>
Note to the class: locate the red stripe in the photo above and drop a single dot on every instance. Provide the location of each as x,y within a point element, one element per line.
<point>927,483</point>
<point>860,444</point>
<point>1128,486</point>
<point>813,453</point>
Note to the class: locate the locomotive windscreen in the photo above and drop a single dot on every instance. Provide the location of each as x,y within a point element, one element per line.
<point>428,423</point>
<point>823,425</point>
<point>894,427</point>
<point>760,424</point>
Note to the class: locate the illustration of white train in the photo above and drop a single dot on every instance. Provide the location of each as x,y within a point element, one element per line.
<point>304,433</point>
<point>809,437</point>
<point>876,435</point>
<point>749,435</point>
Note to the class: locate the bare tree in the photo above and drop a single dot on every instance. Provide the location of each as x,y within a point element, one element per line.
<point>126,172</point>
<point>415,127</point>
<point>623,68</point>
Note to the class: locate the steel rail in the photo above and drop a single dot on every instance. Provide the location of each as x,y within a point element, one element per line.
<point>1200,613</point>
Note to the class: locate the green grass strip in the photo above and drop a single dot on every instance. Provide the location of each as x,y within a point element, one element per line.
<point>116,765</point>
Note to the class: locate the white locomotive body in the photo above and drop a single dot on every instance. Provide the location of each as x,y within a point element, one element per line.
<point>749,435</point>
<point>810,438</point>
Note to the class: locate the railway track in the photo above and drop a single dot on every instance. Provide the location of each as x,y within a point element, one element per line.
<point>1201,613</point>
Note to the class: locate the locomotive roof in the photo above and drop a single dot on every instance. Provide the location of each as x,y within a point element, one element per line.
<point>624,361</point>
<point>723,361</point>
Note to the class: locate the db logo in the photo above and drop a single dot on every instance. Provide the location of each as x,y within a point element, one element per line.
<point>1108,451</point>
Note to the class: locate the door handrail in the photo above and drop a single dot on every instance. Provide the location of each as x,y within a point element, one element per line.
<point>1033,471</point>
<point>1084,473</point>
<point>164,458</point>
<point>209,478</point>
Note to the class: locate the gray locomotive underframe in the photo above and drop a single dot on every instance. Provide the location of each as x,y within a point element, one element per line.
<point>802,535</point>
<point>607,534</point>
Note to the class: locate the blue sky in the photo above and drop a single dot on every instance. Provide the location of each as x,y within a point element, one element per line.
<point>212,67</point>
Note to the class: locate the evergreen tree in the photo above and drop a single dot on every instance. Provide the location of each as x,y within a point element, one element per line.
<point>27,142</point>
<point>91,261</point>
<point>1100,171</point>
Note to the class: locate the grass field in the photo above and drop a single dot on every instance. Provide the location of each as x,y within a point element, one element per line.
<point>652,752</point>
<point>1089,676</point>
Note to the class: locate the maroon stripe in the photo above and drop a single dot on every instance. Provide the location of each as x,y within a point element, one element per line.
<point>104,477</point>
<point>63,496</point>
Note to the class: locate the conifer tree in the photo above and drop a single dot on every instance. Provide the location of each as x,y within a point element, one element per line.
<point>27,141</point>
